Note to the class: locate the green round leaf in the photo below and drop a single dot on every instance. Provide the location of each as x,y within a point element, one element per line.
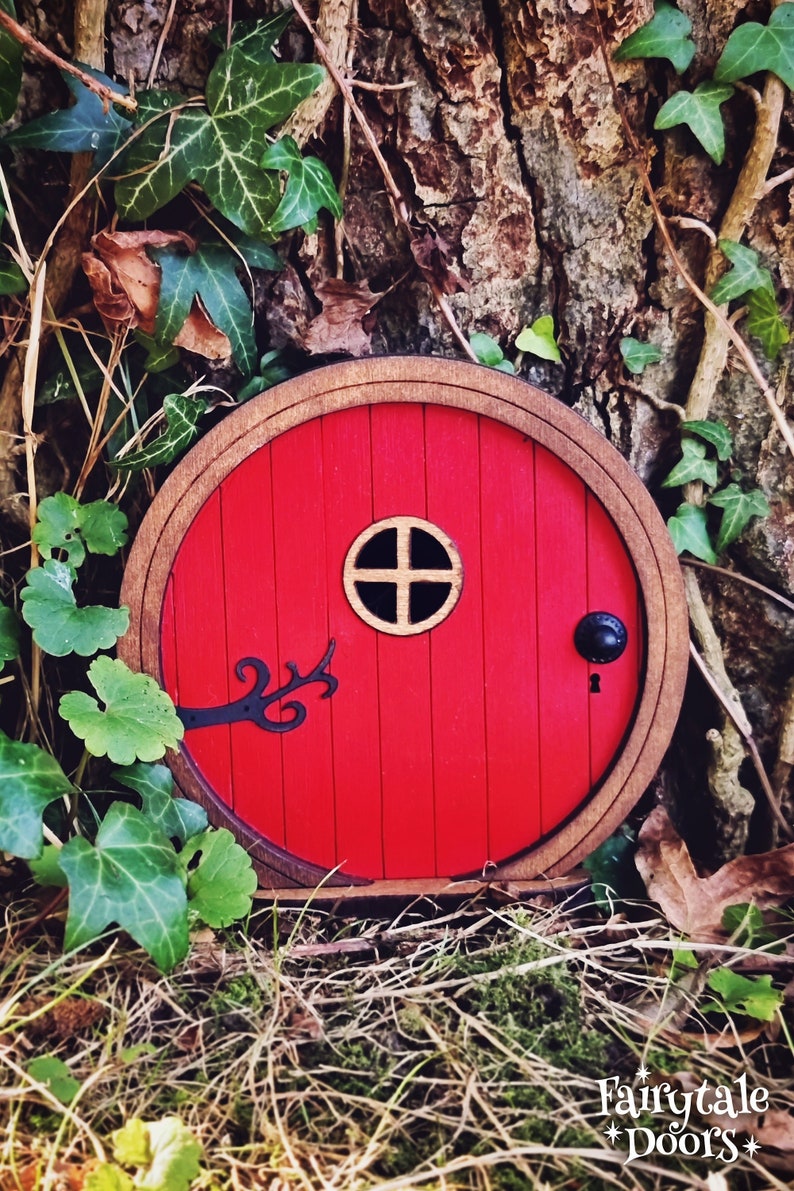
<point>56,1076</point>
<point>220,888</point>
<point>137,723</point>
<point>59,626</point>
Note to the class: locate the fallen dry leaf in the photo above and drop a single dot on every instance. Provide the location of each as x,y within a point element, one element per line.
<point>776,1131</point>
<point>431,253</point>
<point>695,904</point>
<point>345,322</point>
<point>126,287</point>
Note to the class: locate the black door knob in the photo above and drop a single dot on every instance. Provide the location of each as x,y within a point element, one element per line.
<point>600,637</point>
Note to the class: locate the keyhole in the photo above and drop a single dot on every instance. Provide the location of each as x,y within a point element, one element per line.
<point>595,684</point>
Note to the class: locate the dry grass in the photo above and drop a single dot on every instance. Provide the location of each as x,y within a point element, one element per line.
<point>436,1050</point>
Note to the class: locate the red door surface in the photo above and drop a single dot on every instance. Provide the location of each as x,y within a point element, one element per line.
<point>400,750</point>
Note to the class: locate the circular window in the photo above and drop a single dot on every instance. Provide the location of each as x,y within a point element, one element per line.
<point>403,575</point>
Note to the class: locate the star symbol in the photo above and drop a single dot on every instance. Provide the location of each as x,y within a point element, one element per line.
<point>642,1073</point>
<point>613,1133</point>
<point>751,1146</point>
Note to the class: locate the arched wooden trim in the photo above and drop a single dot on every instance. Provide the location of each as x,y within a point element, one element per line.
<point>494,394</point>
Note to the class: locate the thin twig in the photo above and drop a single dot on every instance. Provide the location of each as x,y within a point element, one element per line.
<point>739,718</point>
<point>767,591</point>
<point>166,29</point>
<point>34,46</point>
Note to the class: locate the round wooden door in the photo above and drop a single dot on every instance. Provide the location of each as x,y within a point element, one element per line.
<point>413,629</point>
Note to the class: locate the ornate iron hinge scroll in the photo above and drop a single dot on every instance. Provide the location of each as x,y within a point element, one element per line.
<point>254,705</point>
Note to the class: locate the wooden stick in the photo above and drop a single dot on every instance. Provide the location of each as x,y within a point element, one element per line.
<point>34,46</point>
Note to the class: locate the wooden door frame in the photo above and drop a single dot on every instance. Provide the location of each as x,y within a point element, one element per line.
<point>506,399</point>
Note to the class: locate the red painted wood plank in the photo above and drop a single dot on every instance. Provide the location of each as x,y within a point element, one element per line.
<point>252,631</point>
<point>398,474</point>
<point>563,687</point>
<point>612,586</point>
<point>168,643</point>
<point>303,636</point>
<point>355,714</point>
<point>200,641</point>
<point>452,463</point>
<point>507,479</point>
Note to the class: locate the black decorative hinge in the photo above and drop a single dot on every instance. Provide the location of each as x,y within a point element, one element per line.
<point>254,705</point>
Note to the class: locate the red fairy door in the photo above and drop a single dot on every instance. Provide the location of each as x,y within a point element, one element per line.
<point>410,578</point>
<point>419,620</point>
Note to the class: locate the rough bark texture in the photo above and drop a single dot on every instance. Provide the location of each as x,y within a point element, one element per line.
<point>508,142</point>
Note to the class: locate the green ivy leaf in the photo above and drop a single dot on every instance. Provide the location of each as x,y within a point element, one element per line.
<point>745,275</point>
<point>10,66</point>
<point>716,433</point>
<point>85,127</point>
<point>9,635</point>
<point>12,279</point>
<point>182,415</point>
<point>689,532</point>
<point>310,187</point>
<point>219,146</point>
<point>256,253</point>
<point>700,109</point>
<point>752,996</point>
<point>209,274</point>
<point>59,627</point>
<point>693,465</point>
<point>46,869</point>
<point>271,372</point>
<point>139,722</point>
<point>739,509</point>
<point>255,37</point>
<point>56,1077</point>
<point>638,355</point>
<point>539,339</point>
<point>753,47</point>
<point>173,1153</point>
<point>129,877</point>
<point>30,780</point>
<point>764,321</point>
<point>178,818</point>
<point>220,888</point>
<point>665,36</point>
<point>64,524</point>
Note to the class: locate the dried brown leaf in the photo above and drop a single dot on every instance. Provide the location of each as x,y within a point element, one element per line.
<point>431,253</point>
<point>345,323</point>
<point>129,275</point>
<point>126,287</point>
<point>776,1131</point>
<point>695,904</point>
